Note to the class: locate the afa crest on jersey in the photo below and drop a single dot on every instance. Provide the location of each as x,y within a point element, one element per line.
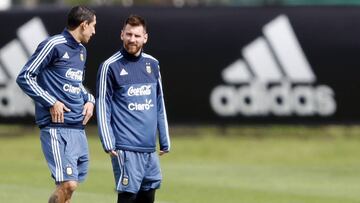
<point>148,68</point>
<point>82,57</point>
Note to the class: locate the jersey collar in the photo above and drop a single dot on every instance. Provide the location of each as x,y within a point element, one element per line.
<point>70,39</point>
<point>129,56</point>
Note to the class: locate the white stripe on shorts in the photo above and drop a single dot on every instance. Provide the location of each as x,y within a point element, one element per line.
<point>57,158</point>
<point>120,158</point>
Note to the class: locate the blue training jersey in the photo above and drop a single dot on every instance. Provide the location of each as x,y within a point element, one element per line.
<point>55,72</point>
<point>130,104</point>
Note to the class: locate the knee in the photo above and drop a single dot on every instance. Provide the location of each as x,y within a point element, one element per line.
<point>70,186</point>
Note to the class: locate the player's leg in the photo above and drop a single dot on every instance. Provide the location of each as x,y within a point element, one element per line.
<point>62,153</point>
<point>128,168</point>
<point>126,197</point>
<point>77,160</point>
<point>145,196</point>
<point>83,165</point>
<point>81,155</point>
<point>53,146</point>
<point>57,196</point>
<point>151,181</point>
<point>63,192</point>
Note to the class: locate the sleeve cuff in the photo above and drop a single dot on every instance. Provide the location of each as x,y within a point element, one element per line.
<point>91,99</point>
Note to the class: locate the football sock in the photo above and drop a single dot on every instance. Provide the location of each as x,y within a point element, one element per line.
<point>126,197</point>
<point>145,196</point>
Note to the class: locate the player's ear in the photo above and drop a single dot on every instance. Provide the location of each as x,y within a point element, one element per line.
<point>122,35</point>
<point>84,24</point>
<point>146,37</point>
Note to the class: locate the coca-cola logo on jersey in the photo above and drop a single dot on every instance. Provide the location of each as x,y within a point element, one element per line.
<point>140,91</point>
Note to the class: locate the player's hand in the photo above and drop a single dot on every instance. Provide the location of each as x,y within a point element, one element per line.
<point>87,112</point>
<point>113,153</point>
<point>162,152</point>
<point>57,112</point>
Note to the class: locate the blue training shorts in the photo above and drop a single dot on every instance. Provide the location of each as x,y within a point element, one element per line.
<point>136,171</point>
<point>66,152</point>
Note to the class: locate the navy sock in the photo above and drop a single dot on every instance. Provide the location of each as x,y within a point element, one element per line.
<point>145,196</point>
<point>126,197</point>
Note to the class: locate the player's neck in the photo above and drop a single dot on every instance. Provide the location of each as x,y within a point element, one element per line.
<point>76,34</point>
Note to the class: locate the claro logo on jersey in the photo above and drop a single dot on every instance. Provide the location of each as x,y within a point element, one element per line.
<point>274,78</point>
<point>71,89</point>
<point>13,56</point>
<point>141,106</point>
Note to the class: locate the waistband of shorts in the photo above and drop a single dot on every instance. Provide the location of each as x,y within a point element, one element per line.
<point>63,125</point>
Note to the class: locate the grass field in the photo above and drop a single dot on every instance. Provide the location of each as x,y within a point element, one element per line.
<point>258,164</point>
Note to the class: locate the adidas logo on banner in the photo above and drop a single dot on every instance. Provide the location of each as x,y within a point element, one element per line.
<point>13,56</point>
<point>274,78</point>
<point>123,72</point>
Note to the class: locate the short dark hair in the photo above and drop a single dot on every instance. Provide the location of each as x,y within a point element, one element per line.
<point>79,14</point>
<point>135,20</point>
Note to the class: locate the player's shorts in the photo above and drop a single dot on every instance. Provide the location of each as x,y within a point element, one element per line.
<point>136,171</point>
<point>66,152</point>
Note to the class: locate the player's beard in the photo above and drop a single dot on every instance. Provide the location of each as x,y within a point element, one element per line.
<point>133,48</point>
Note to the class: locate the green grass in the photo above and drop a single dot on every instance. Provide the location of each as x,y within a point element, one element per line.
<point>251,164</point>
